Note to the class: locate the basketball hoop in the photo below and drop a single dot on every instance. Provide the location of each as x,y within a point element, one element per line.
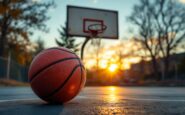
<point>81,22</point>
<point>92,23</point>
<point>95,29</point>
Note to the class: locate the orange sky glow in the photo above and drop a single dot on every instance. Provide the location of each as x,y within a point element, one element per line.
<point>111,57</point>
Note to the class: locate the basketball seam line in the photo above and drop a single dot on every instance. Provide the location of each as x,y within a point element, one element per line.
<point>62,85</point>
<point>78,61</point>
<point>53,63</point>
<point>65,51</point>
<point>68,52</point>
<point>62,50</point>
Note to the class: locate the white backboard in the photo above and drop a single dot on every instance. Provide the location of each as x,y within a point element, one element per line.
<point>79,18</point>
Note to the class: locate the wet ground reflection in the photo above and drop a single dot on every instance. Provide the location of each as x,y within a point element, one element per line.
<point>112,96</point>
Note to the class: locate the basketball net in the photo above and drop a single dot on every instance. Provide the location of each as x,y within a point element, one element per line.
<point>94,39</point>
<point>94,30</point>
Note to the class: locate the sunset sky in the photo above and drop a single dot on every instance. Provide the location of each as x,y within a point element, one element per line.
<point>108,53</point>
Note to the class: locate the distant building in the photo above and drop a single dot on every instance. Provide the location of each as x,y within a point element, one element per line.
<point>144,68</point>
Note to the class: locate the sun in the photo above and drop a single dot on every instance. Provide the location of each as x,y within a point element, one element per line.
<point>113,67</point>
<point>112,88</point>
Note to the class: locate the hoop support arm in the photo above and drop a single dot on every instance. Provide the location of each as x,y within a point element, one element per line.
<point>83,46</point>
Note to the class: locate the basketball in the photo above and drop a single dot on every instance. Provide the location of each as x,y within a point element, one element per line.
<point>57,75</point>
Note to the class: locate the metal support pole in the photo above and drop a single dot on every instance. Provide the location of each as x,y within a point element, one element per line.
<point>83,47</point>
<point>8,65</point>
<point>176,71</point>
<point>162,70</point>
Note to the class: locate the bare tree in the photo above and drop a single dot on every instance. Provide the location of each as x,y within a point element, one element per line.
<point>161,28</point>
<point>141,17</point>
<point>121,53</point>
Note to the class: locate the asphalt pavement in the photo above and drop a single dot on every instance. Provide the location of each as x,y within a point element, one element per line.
<point>97,100</point>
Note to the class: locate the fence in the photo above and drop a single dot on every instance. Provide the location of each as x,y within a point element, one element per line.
<point>13,71</point>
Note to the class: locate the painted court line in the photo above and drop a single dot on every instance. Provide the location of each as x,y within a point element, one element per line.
<point>136,99</point>
<point>15,100</point>
<point>140,99</point>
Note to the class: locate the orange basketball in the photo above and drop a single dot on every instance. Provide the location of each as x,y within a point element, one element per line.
<point>57,75</point>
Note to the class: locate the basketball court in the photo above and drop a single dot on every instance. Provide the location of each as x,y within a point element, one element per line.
<point>97,100</point>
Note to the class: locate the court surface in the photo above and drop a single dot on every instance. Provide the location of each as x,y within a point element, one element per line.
<point>97,100</point>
